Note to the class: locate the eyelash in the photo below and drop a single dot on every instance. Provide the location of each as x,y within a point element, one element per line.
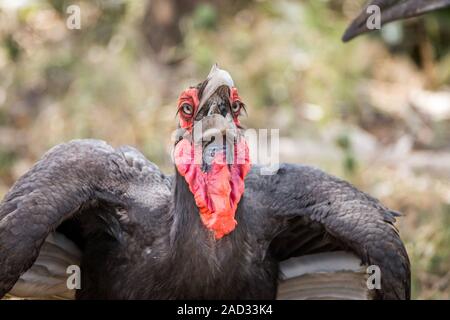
<point>236,108</point>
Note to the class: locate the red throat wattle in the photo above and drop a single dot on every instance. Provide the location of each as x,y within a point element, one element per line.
<point>216,192</point>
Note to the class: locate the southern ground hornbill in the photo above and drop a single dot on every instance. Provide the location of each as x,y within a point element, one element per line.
<point>216,229</point>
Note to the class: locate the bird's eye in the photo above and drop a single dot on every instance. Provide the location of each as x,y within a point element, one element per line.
<point>187,109</point>
<point>236,107</point>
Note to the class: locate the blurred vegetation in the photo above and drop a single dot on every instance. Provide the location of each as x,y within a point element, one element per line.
<point>375,111</point>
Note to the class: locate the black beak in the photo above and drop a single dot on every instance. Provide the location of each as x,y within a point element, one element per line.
<point>392,10</point>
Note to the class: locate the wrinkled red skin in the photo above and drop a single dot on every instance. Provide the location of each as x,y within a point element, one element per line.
<point>190,96</point>
<point>218,191</point>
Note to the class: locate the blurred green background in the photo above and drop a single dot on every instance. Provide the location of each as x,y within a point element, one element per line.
<point>375,111</point>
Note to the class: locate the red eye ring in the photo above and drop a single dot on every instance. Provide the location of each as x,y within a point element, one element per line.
<point>187,104</point>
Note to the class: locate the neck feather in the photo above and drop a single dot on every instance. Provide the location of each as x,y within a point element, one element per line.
<point>187,221</point>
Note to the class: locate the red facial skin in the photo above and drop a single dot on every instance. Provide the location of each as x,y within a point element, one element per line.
<point>218,191</point>
<point>189,96</point>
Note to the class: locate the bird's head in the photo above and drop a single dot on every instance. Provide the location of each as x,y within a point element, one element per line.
<point>211,152</point>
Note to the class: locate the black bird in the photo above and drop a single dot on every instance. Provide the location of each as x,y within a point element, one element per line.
<point>392,10</point>
<point>218,229</point>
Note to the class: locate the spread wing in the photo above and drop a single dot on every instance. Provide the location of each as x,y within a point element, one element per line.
<point>68,182</point>
<point>325,233</point>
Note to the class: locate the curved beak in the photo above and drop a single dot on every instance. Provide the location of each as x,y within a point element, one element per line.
<point>391,10</point>
<point>216,78</point>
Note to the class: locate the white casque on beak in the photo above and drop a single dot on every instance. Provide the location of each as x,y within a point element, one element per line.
<point>216,78</point>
